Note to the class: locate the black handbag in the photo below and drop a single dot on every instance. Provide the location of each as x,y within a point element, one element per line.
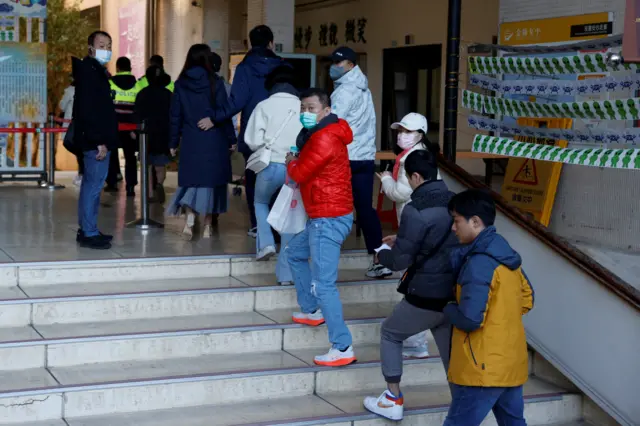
<point>410,273</point>
<point>70,142</point>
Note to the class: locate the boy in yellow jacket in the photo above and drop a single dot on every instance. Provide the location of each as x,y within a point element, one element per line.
<point>489,362</point>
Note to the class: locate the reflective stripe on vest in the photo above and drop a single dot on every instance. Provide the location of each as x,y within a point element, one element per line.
<point>142,83</point>
<point>124,96</point>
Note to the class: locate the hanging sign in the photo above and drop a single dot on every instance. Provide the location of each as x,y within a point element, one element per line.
<point>619,109</point>
<point>595,157</point>
<point>570,64</point>
<point>628,83</point>
<point>553,30</point>
<point>630,136</point>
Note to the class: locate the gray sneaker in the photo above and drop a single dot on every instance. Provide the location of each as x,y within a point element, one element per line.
<point>376,270</point>
<point>265,253</point>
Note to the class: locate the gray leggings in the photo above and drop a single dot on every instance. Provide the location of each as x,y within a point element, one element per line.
<point>405,321</point>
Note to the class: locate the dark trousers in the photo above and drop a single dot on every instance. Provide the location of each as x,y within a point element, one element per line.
<point>129,147</point>
<point>250,190</point>
<point>362,174</point>
<point>470,405</point>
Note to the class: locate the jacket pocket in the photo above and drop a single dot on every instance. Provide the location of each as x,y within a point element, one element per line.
<point>473,356</point>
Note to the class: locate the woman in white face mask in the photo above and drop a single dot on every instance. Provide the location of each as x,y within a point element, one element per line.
<point>412,136</point>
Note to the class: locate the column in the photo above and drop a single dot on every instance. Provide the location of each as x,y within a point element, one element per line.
<point>279,15</point>
<point>216,30</point>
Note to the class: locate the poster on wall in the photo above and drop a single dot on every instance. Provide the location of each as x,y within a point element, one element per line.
<point>132,21</point>
<point>24,8</point>
<point>23,82</point>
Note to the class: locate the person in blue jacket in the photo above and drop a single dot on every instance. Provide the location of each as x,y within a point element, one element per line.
<point>204,165</point>
<point>247,91</point>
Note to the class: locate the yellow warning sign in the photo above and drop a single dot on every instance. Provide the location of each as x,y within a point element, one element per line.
<point>530,184</point>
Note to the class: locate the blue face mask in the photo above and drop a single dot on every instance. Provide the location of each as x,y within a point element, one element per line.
<point>103,56</point>
<point>336,72</point>
<point>309,120</point>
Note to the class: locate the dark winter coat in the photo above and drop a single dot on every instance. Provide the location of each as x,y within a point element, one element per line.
<point>94,114</point>
<point>248,89</point>
<point>204,156</point>
<point>425,222</point>
<point>153,106</point>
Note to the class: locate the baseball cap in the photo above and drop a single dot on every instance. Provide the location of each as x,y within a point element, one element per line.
<point>342,53</point>
<point>412,122</point>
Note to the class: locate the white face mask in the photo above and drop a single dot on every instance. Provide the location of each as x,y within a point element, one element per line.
<point>408,140</point>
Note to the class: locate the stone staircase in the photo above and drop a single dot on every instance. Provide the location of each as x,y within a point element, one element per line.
<point>207,341</point>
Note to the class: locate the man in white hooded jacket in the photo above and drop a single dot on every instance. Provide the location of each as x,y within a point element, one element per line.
<point>351,100</point>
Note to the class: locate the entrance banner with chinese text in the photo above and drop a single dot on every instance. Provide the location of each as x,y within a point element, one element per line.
<point>530,184</point>
<point>553,30</point>
<point>619,109</point>
<point>628,159</point>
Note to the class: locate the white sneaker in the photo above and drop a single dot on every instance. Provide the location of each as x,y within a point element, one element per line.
<point>253,232</point>
<point>415,352</point>
<point>285,283</point>
<point>336,358</point>
<point>376,270</point>
<point>315,319</point>
<point>266,253</point>
<point>77,181</point>
<point>386,405</point>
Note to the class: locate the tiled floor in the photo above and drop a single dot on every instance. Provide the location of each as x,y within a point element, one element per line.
<point>39,225</point>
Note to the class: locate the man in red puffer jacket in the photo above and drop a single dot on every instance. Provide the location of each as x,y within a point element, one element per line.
<point>324,175</point>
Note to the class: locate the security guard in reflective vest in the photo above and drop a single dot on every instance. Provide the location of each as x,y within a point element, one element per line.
<point>125,90</point>
<point>158,61</point>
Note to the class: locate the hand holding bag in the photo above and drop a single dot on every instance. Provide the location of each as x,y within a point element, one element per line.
<point>259,160</point>
<point>288,216</point>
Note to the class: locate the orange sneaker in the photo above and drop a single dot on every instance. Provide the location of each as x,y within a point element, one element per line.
<point>315,319</point>
<point>336,358</point>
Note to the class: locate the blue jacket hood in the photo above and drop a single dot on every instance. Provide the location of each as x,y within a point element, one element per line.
<point>489,243</point>
<point>261,61</point>
<point>196,79</point>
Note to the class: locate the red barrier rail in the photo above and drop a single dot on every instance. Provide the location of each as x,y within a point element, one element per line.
<point>123,127</point>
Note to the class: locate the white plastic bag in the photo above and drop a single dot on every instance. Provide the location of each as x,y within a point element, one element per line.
<point>288,216</point>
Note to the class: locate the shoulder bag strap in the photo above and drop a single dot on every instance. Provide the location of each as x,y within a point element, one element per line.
<point>274,138</point>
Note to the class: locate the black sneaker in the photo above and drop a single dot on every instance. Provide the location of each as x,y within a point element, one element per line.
<point>80,236</point>
<point>96,243</point>
<point>131,191</point>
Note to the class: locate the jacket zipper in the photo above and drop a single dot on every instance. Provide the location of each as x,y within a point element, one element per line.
<point>471,349</point>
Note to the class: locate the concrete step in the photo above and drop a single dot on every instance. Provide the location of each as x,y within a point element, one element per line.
<point>233,297</point>
<point>425,405</point>
<point>35,274</point>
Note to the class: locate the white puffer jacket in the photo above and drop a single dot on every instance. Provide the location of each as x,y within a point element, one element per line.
<point>399,191</point>
<point>266,120</point>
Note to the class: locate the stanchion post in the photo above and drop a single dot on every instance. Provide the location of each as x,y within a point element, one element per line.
<point>51,138</point>
<point>144,222</point>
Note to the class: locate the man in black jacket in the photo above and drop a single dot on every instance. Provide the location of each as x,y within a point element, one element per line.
<point>423,245</point>
<point>96,132</point>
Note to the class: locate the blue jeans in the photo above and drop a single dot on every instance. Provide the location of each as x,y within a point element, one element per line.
<point>268,182</point>
<point>470,405</point>
<point>95,173</point>
<point>316,283</point>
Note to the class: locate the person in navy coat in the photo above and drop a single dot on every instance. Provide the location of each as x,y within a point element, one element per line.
<point>204,165</point>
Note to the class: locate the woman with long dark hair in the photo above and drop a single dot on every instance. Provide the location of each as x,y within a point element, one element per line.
<point>204,165</point>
